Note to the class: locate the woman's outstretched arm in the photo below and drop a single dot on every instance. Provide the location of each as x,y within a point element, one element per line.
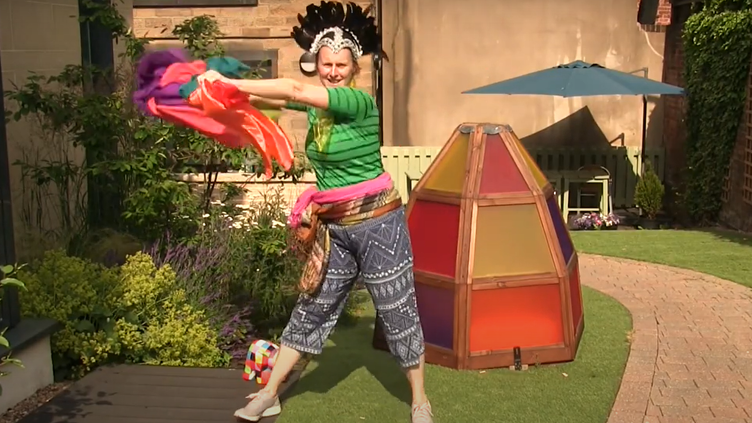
<point>266,103</point>
<point>280,89</point>
<point>344,101</point>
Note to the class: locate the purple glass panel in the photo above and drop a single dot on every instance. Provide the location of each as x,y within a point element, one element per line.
<point>565,243</point>
<point>436,309</point>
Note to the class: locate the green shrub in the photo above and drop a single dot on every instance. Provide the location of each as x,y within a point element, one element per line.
<point>132,314</point>
<point>649,193</point>
<point>80,295</point>
<point>160,326</point>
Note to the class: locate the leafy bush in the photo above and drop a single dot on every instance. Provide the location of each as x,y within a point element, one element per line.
<point>126,180</point>
<point>133,314</point>
<point>238,268</point>
<point>649,193</point>
<point>717,41</point>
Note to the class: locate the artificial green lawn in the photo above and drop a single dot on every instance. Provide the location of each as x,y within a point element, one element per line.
<point>721,253</point>
<point>352,382</point>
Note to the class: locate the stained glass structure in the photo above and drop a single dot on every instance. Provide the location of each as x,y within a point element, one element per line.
<point>495,268</point>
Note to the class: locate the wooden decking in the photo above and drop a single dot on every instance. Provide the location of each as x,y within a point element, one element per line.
<point>149,394</point>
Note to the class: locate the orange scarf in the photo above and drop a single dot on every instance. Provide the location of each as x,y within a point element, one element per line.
<point>225,104</point>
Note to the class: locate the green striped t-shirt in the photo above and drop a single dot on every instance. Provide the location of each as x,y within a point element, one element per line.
<point>353,152</point>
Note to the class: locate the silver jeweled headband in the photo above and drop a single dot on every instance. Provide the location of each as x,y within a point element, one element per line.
<point>337,42</point>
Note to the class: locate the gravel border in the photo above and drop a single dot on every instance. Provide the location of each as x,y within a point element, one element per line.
<point>35,401</point>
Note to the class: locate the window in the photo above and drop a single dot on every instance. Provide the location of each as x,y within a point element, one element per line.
<point>726,186</point>
<point>262,62</point>
<point>193,3</point>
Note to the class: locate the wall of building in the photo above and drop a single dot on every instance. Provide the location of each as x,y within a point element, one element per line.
<point>443,47</point>
<point>41,37</point>
<point>262,28</point>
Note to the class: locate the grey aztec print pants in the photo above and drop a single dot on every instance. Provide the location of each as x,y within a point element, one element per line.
<point>378,250</point>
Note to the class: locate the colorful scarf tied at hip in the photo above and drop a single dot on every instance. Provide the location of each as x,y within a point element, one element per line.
<point>373,199</point>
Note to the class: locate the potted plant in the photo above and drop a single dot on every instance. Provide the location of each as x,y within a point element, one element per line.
<point>649,194</point>
<point>597,221</point>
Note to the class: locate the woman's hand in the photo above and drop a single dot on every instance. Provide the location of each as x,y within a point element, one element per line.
<point>213,76</point>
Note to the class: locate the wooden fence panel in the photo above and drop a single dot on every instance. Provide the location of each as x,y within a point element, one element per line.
<point>403,161</point>
<point>622,162</point>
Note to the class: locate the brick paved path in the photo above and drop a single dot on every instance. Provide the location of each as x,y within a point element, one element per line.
<point>691,356</point>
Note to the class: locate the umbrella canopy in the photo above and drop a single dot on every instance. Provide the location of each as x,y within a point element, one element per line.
<point>578,79</point>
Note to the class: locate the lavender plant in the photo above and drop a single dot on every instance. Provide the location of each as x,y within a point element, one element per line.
<point>237,267</point>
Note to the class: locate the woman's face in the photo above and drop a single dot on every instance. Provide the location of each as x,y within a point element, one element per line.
<point>336,69</point>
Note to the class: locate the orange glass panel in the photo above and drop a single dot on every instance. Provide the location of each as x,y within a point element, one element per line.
<point>509,240</point>
<point>434,229</point>
<point>448,175</point>
<point>575,294</point>
<point>500,173</point>
<point>528,316</point>
<point>436,310</point>
<point>537,174</point>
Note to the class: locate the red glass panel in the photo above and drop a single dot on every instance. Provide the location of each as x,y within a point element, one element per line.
<point>500,173</point>
<point>436,309</point>
<point>504,318</point>
<point>434,228</point>
<point>576,295</point>
<point>565,242</point>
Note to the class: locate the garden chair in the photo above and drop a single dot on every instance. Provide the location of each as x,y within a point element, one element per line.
<point>593,182</point>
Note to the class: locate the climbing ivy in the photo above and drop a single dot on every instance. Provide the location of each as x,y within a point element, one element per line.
<point>717,47</point>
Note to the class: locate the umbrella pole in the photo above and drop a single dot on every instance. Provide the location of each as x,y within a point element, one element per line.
<point>644,133</point>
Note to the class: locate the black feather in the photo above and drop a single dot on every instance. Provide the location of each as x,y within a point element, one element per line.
<point>351,18</point>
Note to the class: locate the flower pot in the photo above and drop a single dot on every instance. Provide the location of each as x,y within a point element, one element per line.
<point>649,224</point>
<point>611,228</point>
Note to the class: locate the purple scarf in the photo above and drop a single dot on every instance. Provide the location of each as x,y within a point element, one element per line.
<point>148,74</point>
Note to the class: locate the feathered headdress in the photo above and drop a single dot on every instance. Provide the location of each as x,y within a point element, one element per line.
<point>329,24</point>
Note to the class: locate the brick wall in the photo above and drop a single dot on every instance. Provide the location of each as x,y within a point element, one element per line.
<point>259,28</point>
<point>736,212</point>
<point>674,130</point>
<point>662,16</point>
<point>664,13</point>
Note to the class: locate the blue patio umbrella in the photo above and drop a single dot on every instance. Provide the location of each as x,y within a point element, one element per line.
<point>581,79</point>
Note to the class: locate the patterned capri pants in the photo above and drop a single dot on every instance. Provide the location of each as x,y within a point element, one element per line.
<point>379,251</point>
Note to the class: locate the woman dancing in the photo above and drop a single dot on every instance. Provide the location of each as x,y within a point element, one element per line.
<point>357,225</point>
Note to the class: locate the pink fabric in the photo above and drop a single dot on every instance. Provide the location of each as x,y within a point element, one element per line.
<point>196,119</point>
<point>182,72</point>
<point>312,195</point>
<point>227,105</point>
